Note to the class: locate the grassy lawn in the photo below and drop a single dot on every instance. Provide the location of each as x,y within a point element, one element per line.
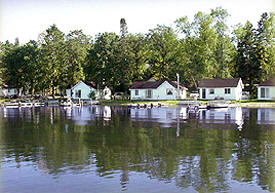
<point>128,102</point>
<point>254,102</point>
<point>251,102</point>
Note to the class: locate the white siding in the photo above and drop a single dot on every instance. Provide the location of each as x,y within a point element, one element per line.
<point>157,94</point>
<point>161,92</point>
<point>235,92</point>
<point>8,92</point>
<point>218,93</point>
<point>85,90</point>
<point>271,93</point>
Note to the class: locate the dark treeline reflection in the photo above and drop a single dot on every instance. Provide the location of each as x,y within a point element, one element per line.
<point>110,140</point>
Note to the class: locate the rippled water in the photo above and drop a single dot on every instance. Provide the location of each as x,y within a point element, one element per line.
<point>116,149</point>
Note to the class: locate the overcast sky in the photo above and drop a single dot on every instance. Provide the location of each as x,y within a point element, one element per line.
<point>25,19</point>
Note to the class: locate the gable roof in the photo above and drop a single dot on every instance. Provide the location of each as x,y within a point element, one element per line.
<point>270,82</point>
<point>146,84</point>
<point>219,82</point>
<point>153,84</point>
<point>90,84</point>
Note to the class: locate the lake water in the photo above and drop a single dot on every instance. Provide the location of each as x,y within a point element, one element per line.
<point>115,149</point>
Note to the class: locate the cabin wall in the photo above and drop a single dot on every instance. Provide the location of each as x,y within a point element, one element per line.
<point>158,94</point>
<point>141,94</point>
<point>161,92</point>
<point>235,93</point>
<point>85,91</point>
<point>271,93</point>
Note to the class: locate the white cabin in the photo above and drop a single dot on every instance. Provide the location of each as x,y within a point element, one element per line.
<point>221,88</point>
<point>82,90</point>
<point>266,90</point>
<point>9,92</point>
<point>157,90</point>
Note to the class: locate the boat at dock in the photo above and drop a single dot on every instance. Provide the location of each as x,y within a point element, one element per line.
<point>193,104</point>
<point>218,104</point>
<point>150,105</point>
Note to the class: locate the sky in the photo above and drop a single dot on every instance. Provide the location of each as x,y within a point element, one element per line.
<point>26,19</point>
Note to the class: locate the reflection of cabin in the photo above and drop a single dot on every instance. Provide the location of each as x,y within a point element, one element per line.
<point>89,113</point>
<point>221,88</point>
<point>157,90</point>
<point>83,90</point>
<point>228,118</point>
<point>266,90</point>
<point>265,116</point>
<point>224,116</point>
<point>165,116</point>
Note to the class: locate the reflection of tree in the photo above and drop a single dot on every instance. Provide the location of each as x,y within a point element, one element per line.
<point>253,161</point>
<point>205,159</point>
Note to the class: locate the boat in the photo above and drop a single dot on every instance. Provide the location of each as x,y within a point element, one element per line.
<point>218,104</point>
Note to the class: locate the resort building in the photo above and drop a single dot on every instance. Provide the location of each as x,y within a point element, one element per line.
<point>221,88</point>
<point>83,90</point>
<point>157,90</point>
<point>266,90</point>
<point>6,91</point>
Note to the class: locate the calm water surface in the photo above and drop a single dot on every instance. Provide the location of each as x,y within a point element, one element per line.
<point>115,149</point>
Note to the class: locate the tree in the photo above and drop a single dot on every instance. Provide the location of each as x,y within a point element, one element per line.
<point>198,48</point>
<point>125,60</point>
<point>162,52</point>
<point>247,66</point>
<point>137,46</point>
<point>225,50</point>
<point>265,46</point>
<point>19,65</point>
<point>77,45</point>
<point>2,52</point>
<point>52,51</point>
<point>103,59</point>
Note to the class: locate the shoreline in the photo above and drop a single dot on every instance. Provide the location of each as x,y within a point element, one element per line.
<point>252,104</point>
<point>172,103</point>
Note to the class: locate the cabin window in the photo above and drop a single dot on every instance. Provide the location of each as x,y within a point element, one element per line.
<point>264,92</point>
<point>78,94</point>
<point>169,91</point>
<point>211,91</point>
<point>149,94</point>
<point>136,92</point>
<point>227,91</point>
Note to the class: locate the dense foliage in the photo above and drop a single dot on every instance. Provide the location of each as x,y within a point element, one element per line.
<point>202,48</point>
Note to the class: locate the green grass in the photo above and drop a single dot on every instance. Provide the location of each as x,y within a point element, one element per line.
<point>128,102</point>
<point>255,101</point>
<point>176,102</point>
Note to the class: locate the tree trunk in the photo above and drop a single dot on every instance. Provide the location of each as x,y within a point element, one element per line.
<point>53,92</point>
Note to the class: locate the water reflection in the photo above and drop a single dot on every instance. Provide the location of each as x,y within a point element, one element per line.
<point>266,116</point>
<point>168,116</point>
<point>213,152</point>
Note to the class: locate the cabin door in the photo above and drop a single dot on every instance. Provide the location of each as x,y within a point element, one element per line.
<point>203,93</point>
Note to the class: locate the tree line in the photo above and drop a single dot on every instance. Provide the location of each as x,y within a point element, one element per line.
<point>204,47</point>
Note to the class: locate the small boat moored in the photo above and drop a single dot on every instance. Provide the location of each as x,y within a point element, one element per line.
<point>218,104</point>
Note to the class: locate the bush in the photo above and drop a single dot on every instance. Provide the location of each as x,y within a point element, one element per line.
<point>92,95</point>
